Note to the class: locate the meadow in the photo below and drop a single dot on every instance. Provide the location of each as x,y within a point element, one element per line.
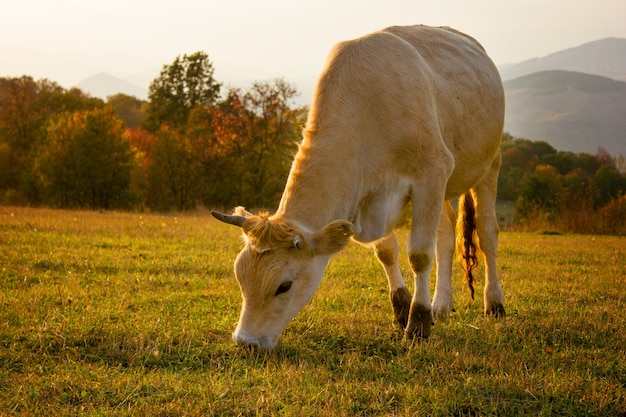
<point>116,314</point>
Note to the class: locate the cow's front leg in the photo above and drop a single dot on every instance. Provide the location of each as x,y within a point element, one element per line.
<point>421,248</point>
<point>387,252</point>
<point>420,313</point>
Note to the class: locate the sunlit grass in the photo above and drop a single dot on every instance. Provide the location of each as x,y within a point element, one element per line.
<point>131,314</point>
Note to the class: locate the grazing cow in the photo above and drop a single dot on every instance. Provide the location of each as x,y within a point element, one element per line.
<point>407,114</point>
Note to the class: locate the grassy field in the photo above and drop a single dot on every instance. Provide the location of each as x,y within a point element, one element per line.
<point>131,314</point>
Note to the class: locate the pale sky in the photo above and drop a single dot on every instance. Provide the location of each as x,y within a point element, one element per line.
<point>264,39</point>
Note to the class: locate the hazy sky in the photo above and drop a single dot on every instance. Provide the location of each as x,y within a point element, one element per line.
<point>265,39</point>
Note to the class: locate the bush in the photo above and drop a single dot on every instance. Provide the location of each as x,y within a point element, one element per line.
<point>612,217</point>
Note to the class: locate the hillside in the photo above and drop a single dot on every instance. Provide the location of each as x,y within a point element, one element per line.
<point>570,110</point>
<point>605,57</point>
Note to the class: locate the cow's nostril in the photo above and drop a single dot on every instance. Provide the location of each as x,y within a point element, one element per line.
<point>244,341</point>
<point>268,342</point>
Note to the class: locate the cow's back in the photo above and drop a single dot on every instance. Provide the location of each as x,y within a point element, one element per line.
<point>394,96</point>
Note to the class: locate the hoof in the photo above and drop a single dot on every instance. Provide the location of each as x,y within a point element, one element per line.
<point>420,323</point>
<point>401,303</point>
<point>442,313</point>
<point>495,310</point>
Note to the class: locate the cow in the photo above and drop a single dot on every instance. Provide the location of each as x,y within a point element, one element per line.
<point>410,114</point>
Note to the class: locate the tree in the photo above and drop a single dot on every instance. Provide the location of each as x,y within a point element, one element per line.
<point>510,181</point>
<point>569,191</point>
<point>254,139</point>
<point>564,162</point>
<point>520,157</point>
<point>17,118</point>
<point>25,108</point>
<point>128,108</point>
<point>541,195</point>
<point>609,183</point>
<point>173,172</point>
<point>86,161</point>
<point>20,122</point>
<point>578,195</point>
<point>186,83</point>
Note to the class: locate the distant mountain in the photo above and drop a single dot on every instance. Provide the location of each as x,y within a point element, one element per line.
<point>570,110</point>
<point>103,85</point>
<point>66,70</point>
<point>605,57</point>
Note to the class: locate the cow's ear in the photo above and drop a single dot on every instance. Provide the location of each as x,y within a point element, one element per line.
<point>332,238</point>
<point>298,242</point>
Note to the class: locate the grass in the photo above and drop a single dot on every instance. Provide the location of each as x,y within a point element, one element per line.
<point>131,314</point>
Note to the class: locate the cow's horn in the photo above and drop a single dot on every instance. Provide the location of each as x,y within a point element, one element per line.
<point>236,220</point>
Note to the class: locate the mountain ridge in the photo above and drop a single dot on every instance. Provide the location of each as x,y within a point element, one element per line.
<point>103,85</point>
<point>605,57</point>
<point>572,111</point>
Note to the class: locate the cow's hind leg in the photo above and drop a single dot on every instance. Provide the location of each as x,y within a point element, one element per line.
<point>443,302</point>
<point>487,229</point>
<point>387,252</point>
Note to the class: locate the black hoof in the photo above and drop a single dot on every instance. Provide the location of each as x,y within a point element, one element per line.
<point>401,303</point>
<point>420,323</point>
<point>495,310</point>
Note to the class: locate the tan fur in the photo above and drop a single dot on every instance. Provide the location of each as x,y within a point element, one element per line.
<point>405,114</point>
<point>264,235</point>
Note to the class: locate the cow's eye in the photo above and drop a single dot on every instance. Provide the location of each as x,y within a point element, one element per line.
<point>284,287</point>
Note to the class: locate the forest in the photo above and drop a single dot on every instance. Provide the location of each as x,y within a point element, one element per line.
<point>196,144</point>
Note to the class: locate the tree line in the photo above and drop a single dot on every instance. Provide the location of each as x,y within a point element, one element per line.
<point>568,192</point>
<point>186,146</point>
<point>194,143</point>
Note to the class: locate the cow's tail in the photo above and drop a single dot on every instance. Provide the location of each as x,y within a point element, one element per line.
<point>466,249</point>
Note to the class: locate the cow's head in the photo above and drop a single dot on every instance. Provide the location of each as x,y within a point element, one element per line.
<point>278,271</point>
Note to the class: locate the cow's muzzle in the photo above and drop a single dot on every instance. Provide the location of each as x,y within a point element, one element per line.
<point>261,343</point>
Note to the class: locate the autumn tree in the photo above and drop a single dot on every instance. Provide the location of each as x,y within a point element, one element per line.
<point>577,201</point>
<point>141,143</point>
<point>26,106</point>
<point>541,195</point>
<point>18,120</point>
<point>254,139</point>
<point>21,118</point>
<point>128,108</point>
<point>520,157</point>
<point>173,172</point>
<point>609,183</point>
<point>181,86</point>
<point>86,160</point>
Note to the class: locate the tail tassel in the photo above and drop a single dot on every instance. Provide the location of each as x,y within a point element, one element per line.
<point>466,231</point>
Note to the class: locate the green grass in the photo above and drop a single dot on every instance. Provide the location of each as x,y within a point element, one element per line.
<point>131,314</point>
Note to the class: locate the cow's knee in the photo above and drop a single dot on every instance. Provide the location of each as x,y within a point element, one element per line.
<point>386,256</point>
<point>420,262</point>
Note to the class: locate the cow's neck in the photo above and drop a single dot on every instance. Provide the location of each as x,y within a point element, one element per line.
<point>323,183</point>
